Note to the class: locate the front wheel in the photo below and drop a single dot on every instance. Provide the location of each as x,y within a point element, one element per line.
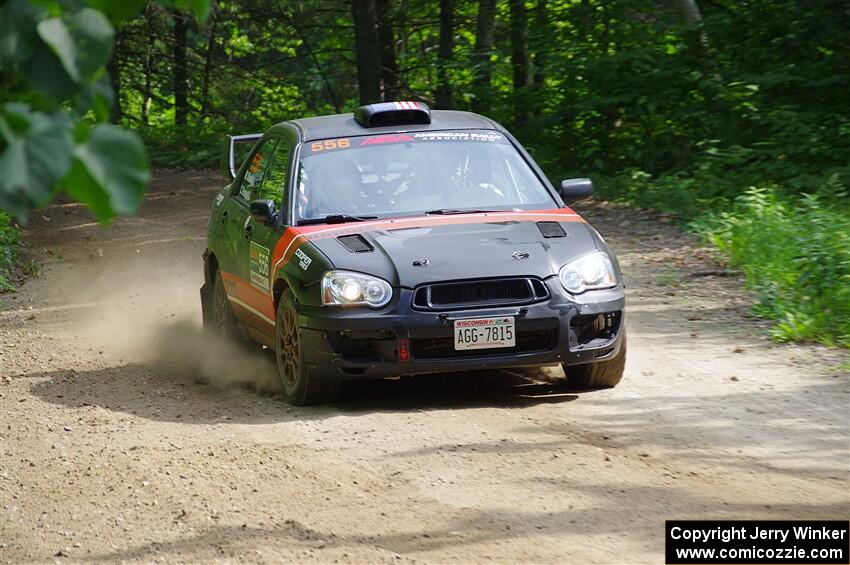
<point>299,386</point>
<point>602,374</point>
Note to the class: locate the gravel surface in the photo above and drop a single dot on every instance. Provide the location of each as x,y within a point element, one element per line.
<point>125,436</point>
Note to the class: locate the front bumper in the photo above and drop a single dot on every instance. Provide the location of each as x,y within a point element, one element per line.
<point>357,343</point>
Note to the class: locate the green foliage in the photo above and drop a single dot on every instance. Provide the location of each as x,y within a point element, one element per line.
<point>109,172</point>
<point>618,85</point>
<point>36,156</point>
<point>795,255</point>
<point>55,92</point>
<point>55,54</point>
<point>9,242</point>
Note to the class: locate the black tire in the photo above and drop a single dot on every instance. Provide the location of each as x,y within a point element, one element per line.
<point>300,387</point>
<point>602,374</point>
<point>222,321</point>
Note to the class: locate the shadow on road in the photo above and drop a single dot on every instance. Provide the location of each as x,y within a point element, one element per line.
<point>467,528</point>
<point>729,428</point>
<point>505,389</point>
<point>147,391</point>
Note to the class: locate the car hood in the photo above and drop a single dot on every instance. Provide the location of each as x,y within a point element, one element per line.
<point>411,253</point>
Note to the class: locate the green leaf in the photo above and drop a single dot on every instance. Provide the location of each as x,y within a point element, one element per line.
<point>17,32</point>
<point>109,173</point>
<point>93,35</point>
<point>81,41</point>
<point>118,10</point>
<point>97,97</point>
<point>49,81</point>
<point>57,36</point>
<point>37,154</point>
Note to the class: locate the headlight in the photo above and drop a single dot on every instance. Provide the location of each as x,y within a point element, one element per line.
<point>347,288</point>
<point>589,272</point>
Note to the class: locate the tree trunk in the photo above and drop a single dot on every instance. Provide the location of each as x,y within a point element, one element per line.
<point>181,71</point>
<point>366,47</point>
<point>482,66</point>
<point>585,20</point>
<point>541,38</point>
<point>386,40</point>
<point>445,54</point>
<point>113,68</point>
<point>208,63</point>
<point>402,27</point>
<point>149,47</point>
<point>520,63</point>
<point>692,16</point>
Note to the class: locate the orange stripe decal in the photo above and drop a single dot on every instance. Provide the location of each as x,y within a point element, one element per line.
<point>243,290</point>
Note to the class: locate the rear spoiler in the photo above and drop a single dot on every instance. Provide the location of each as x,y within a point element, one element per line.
<point>229,166</point>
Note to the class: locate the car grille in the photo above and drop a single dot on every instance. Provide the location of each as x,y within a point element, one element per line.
<point>527,341</point>
<point>480,293</point>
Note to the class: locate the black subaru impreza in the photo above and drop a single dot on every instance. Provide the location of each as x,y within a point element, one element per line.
<point>399,240</point>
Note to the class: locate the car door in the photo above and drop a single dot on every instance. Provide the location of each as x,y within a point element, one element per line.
<point>247,290</point>
<point>261,237</point>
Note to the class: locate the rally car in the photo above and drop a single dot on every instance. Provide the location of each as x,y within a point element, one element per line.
<point>397,241</point>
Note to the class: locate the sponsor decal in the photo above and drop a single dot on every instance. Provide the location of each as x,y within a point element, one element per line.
<point>487,136</point>
<point>323,146</point>
<point>259,261</point>
<point>303,259</point>
<point>391,138</point>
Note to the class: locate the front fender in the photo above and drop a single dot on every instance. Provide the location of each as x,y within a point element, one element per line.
<point>299,266</point>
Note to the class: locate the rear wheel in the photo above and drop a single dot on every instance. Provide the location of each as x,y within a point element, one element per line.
<point>299,386</point>
<point>222,321</point>
<point>602,374</point>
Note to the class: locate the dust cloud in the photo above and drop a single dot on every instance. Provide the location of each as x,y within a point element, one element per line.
<point>143,309</point>
<point>183,348</point>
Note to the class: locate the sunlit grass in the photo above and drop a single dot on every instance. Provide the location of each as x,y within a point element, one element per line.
<point>795,256</point>
<point>9,241</point>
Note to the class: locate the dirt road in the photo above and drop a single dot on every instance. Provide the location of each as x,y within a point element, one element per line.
<point>121,440</point>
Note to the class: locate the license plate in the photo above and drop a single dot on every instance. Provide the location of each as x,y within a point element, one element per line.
<point>484,333</point>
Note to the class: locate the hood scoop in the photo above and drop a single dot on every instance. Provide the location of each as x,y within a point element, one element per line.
<point>355,243</point>
<point>551,229</point>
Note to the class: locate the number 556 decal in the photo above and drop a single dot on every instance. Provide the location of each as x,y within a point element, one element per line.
<point>330,144</point>
<point>259,262</point>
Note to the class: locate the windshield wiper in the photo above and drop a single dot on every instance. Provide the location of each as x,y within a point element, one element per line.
<point>336,219</point>
<point>449,211</point>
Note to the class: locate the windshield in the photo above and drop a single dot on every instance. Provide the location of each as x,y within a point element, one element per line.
<point>416,172</point>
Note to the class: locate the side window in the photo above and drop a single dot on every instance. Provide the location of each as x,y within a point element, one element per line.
<point>256,169</point>
<point>274,182</point>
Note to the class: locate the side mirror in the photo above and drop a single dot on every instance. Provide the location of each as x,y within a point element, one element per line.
<point>263,211</point>
<point>574,190</point>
